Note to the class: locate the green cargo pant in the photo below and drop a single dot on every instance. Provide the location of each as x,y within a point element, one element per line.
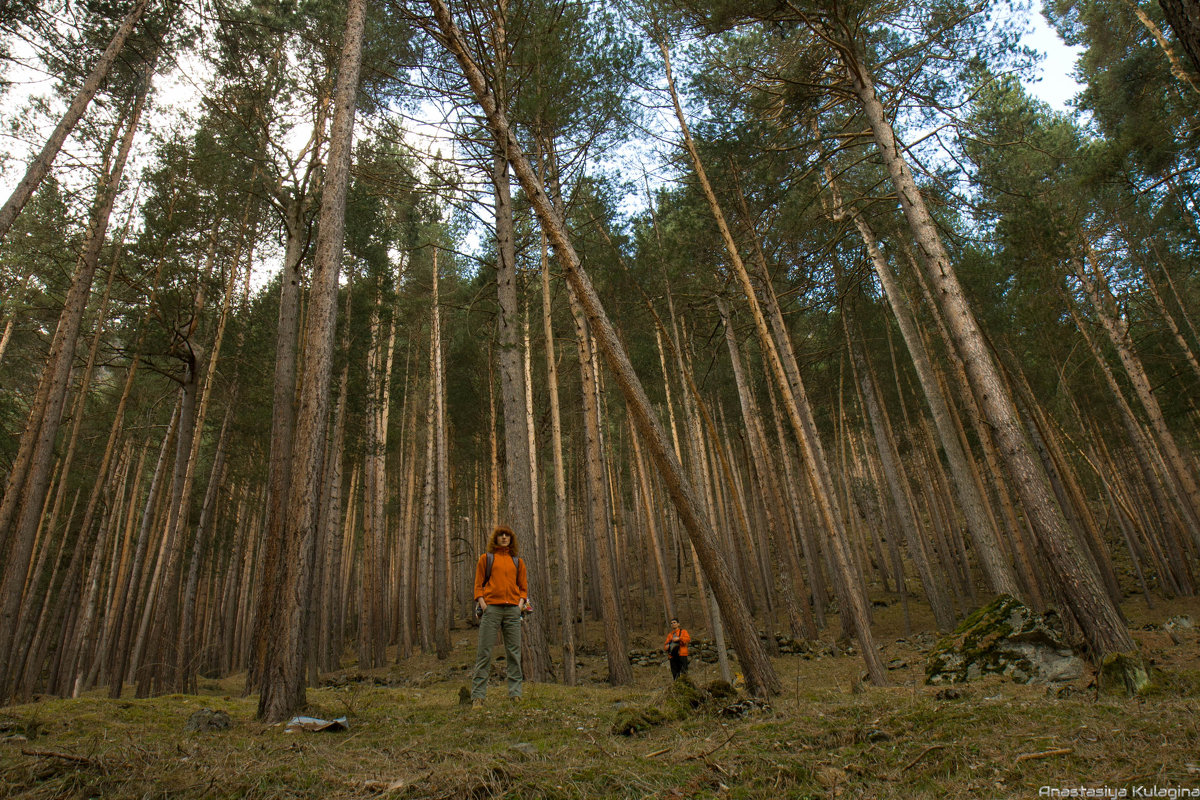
<point>507,621</point>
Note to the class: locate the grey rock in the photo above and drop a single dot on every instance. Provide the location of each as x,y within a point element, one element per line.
<point>1007,638</point>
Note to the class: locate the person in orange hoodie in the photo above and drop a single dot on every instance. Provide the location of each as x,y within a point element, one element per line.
<point>501,599</point>
<point>677,649</point>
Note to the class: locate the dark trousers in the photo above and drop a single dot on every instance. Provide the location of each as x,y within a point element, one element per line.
<point>678,666</point>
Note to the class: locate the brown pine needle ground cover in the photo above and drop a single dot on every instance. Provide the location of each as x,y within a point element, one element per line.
<point>827,735</point>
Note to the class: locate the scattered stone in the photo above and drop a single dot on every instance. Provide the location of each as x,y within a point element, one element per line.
<point>206,721</point>
<point>879,735</point>
<point>897,663</point>
<point>948,694</point>
<point>1178,622</point>
<point>1007,638</point>
<point>744,708</point>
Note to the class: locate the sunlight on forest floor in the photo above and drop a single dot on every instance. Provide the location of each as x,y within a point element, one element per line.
<point>826,735</point>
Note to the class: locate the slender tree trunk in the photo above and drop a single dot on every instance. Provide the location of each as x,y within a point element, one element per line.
<point>40,166</point>
<point>30,471</point>
<point>440,529</point>
<point>619,671</point>
<point>566,604</point>
<point>1081,587</point>
<point>760,675</point>
<point>283,679</point>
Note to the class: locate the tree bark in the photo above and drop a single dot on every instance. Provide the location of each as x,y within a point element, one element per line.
<point>760,675</point>
<point>40,166</point>
<point>283,678</point>
<point>1103,627</point>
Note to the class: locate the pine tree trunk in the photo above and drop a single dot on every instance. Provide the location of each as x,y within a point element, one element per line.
<point>1080,586</point>
<point>443,571</point>
<point>283,679</point>
<point>760,675</point>
<point>30,471</point>
<point>619,671</point>
<point>40,166</point>
<point>561,535</point>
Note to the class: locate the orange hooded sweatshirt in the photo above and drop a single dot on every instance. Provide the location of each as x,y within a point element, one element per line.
<point>508,584</point>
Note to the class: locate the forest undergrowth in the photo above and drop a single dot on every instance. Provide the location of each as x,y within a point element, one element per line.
<point>828,734</point>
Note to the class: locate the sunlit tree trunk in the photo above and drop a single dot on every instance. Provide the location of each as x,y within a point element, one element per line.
<point>1101,621</point>
<point>40,166</point>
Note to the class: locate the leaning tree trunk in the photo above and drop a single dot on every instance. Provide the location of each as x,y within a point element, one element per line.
<point>996,569</point>
<point>800,415</point>
<point>29,474</point>
<point>283,676</point>
<point>760,675</point>
<point>1081,586</point>
<point>40,166</point>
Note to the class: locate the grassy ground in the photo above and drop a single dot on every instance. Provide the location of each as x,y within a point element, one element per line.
<point>827,735</point>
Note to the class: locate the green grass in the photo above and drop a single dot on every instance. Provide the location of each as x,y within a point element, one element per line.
<point>825,736</point>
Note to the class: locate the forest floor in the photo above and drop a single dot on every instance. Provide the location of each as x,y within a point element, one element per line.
<point>826,735</point>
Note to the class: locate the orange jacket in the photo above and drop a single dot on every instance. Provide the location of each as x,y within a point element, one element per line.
<point>508,584</point>
<point>682,636</point>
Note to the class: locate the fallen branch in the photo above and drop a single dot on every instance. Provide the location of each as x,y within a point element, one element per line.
<point>923,753</point>
<point>74,759</point>
<point>1062,751</point>
<point>658,752</point>
<point>715,749</point>
<point>599,746</point>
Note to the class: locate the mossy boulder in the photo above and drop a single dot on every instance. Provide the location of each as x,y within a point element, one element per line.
<point>1005,637</point>
<point>1128,674</point>
<point>676,702</point>
<point>638,719</point>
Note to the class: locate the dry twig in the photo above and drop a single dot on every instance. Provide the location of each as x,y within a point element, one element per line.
<point>74,759</point>
<point>1062,751</point>
<point>923,753</point>
<point>708,753</point>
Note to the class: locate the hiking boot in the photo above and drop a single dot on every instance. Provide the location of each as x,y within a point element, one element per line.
<point>477,702</point>
<point>516,698</point>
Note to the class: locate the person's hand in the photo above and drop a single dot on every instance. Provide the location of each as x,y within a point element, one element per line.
<point>523,604</point>
<point>482,604</point>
